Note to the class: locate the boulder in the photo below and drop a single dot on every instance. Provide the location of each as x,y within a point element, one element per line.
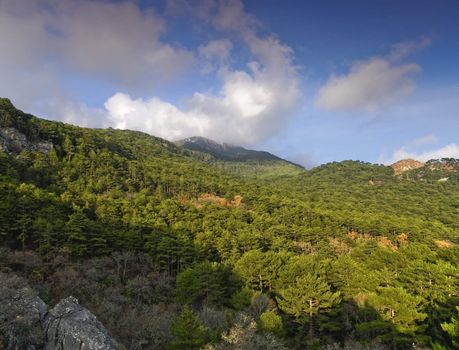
<point>69,326</point>
<point>21,315</point>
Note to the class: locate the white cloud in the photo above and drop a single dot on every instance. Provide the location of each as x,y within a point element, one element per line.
<point>153,116</point>
<point>120,44</point>
<point>118,40</point>
<point>251,105</point>
<point>448,151</point>
<point>411,150</point>
<point>216,49</point>
<point>43,42</point>
<point>369,86</point>
<point>374,83</point>
<point>215,54</point>
<point>115,40</point>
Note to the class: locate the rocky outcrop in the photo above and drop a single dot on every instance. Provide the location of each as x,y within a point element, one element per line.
<point>12,140</point>
<point>69,326</point>
<point>405,165</point>
<point>25,323</point>
<point>22,313</point>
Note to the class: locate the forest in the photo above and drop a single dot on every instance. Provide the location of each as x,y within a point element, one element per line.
<point>170,251</point>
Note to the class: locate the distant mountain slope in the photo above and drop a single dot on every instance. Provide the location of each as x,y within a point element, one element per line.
<point>441,170</point>
<point>239,160</point>
<point>225,151</point>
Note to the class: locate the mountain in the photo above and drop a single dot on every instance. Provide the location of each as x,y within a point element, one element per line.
<point>239,160</point>
<point>225,151</point>
<point>171,248</point>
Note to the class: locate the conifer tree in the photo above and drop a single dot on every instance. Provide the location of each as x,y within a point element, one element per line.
<point>188,331</point>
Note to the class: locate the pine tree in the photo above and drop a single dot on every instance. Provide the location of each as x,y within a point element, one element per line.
<point>452,328</point>
<point>307,297</point>
<point>188,331</point>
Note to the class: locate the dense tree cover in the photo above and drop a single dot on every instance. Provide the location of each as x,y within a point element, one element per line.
<point>171,252</point>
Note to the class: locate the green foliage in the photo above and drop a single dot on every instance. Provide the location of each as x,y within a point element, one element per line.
<point>452,328</point>
<point>347,249</point>
<point>189,333</point>
<point>308,295</point>
<point>241,299</point>
<point>397,306</point>
<point>210,282</point>
<point>270,321</point>
<point>260,269</point>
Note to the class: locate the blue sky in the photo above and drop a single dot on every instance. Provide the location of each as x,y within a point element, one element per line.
<point>312,81</point>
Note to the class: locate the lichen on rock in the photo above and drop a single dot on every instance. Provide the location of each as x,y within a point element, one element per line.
<point>69,326</point>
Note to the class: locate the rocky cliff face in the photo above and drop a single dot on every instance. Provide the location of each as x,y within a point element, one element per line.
<point>25,323</point>
<point>11,140</point>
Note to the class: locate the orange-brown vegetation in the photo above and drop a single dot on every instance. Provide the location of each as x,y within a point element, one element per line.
<point>209,198</point>
<point>444,244</point>
<point>382,241</point>
<point>385,242</point>
<point>339,246</point>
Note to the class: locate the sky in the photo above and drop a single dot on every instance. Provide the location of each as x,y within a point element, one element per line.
<point>311,81</point>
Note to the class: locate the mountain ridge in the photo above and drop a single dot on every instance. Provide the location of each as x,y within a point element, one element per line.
<point>227,151</point>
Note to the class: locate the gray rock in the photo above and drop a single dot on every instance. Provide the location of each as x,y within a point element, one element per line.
<point>69,326</point>
<point>12,140</point>
<point>21,314</point>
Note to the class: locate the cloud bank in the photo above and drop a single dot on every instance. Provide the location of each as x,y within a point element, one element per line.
<point>374,83</point>
<point>51,44</point>
<point>116,40</point>
<point>251,105</point>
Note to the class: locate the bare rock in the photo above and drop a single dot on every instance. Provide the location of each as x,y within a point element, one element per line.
<point>69,326</point>
<point>21,315</point>
<point>12,140</point>
<point>405,165</point>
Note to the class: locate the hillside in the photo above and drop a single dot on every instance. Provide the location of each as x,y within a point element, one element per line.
<point>172,251</point>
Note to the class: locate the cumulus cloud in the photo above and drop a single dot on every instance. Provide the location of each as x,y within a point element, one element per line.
<point>369,86</point>
<point>117,40</point>
<point>412,150</point>
<point>43,42</point>
<point>120,44</point>
<point>251,105</point>
<point>215,54</point>
<point>374,83</point>
<point>216,49</point>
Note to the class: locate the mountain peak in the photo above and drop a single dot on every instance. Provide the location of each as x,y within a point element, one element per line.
<point>225,151</point>
<point>200,142</point>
